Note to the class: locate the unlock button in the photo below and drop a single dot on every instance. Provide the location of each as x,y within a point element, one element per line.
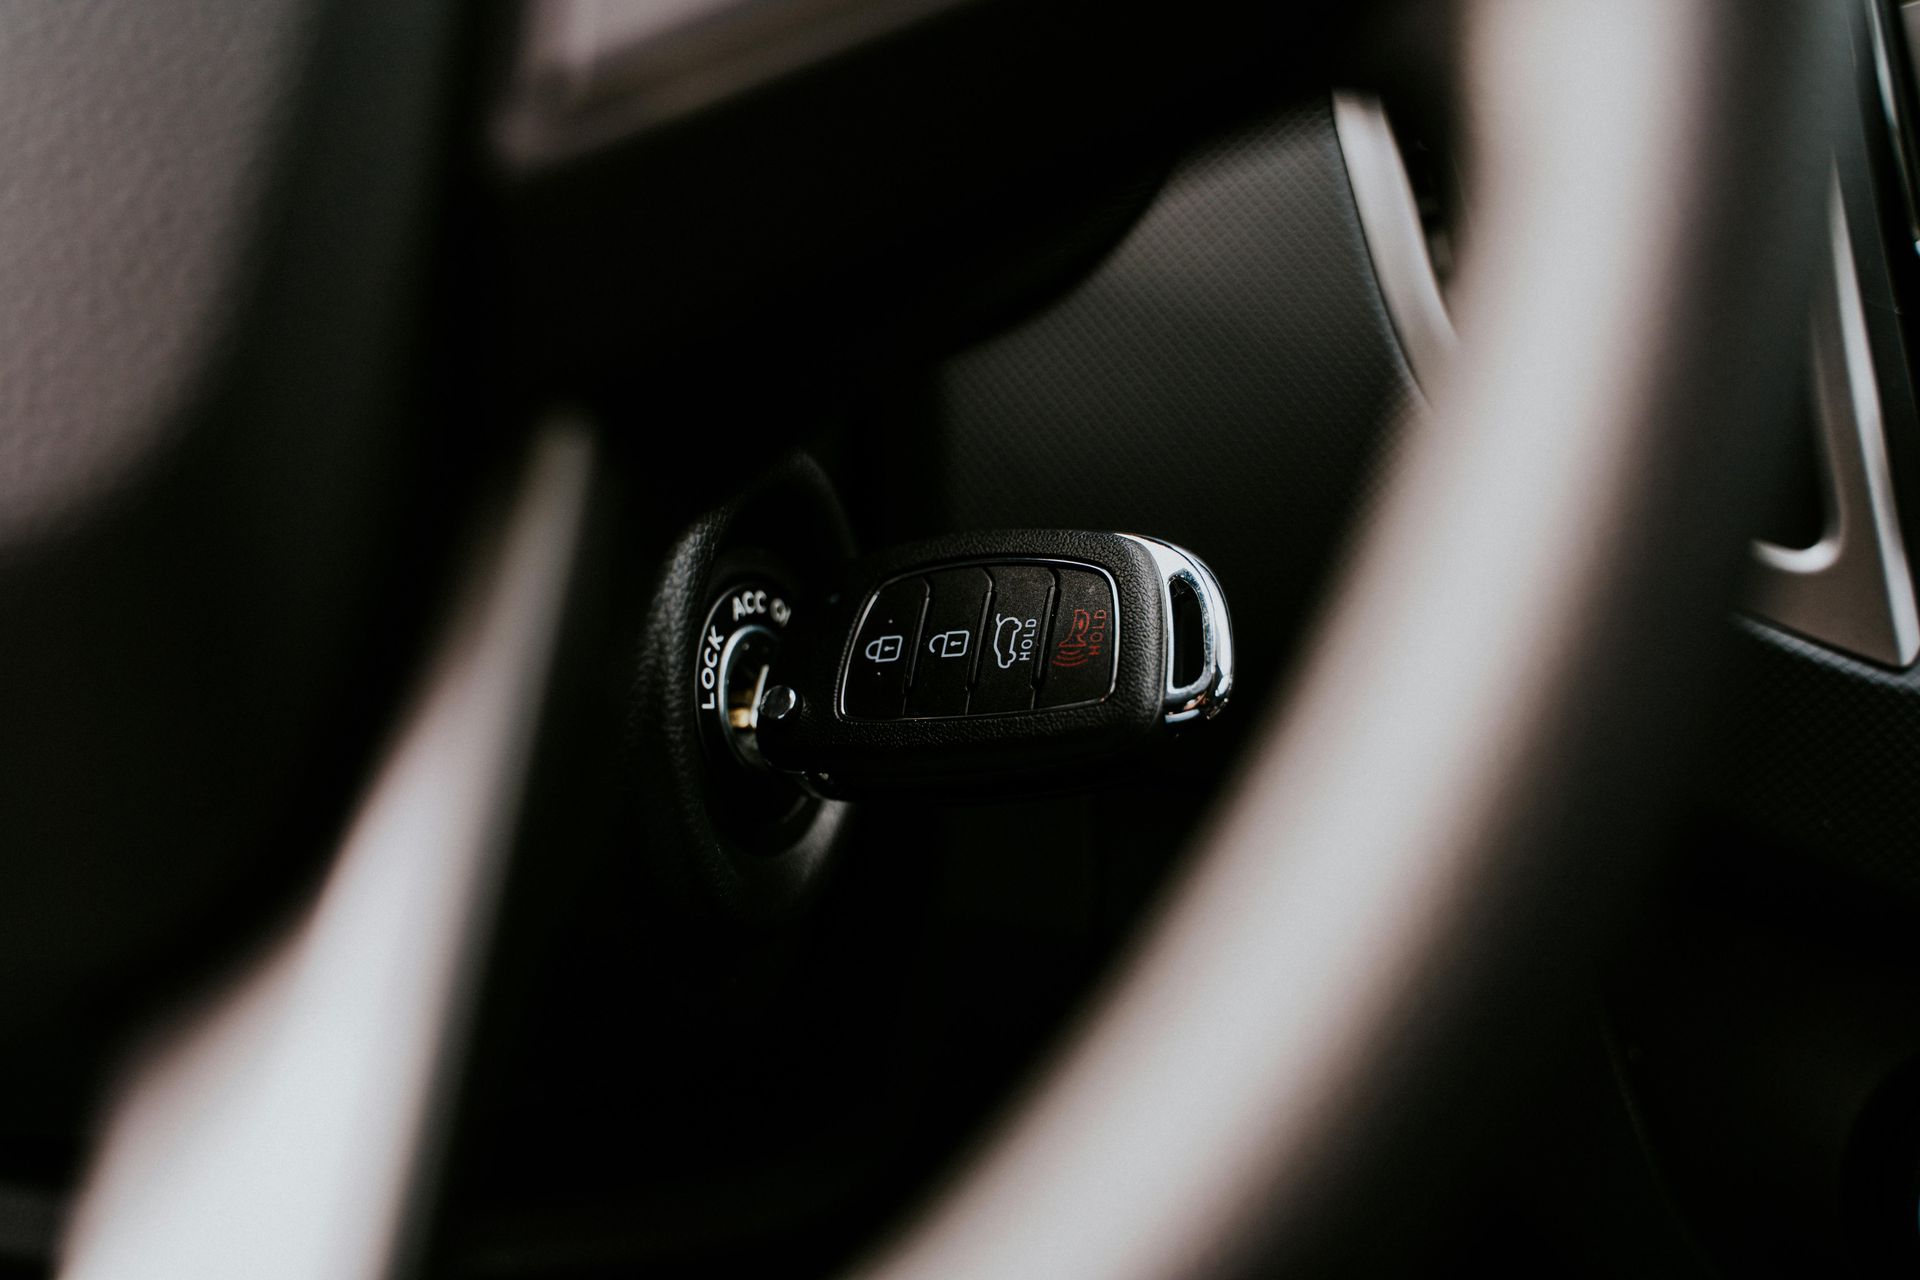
<point>950,642</point>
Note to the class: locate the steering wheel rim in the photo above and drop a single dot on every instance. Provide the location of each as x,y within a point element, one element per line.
<point>1539,563</point>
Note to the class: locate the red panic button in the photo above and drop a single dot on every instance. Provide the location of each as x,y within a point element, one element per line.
<point>1081,649</point>
<point>1085,641</point>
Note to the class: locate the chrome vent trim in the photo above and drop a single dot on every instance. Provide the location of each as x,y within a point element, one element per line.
<point>1396,241</point>
<point>1853,589</point>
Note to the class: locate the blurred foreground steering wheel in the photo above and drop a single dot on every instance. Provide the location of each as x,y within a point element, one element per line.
<point>1384,932</point>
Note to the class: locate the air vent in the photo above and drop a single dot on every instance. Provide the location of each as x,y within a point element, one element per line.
<point>1851,587</point>
<point>1801,513</point>
<point>1832,561</point>
<point>1410,237</point>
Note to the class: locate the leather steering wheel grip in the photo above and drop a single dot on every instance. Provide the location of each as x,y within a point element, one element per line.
<point>211,462</point>
<point>1383,939</point>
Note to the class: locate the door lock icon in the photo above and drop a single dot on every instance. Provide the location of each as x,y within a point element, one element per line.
<point>884,649</point>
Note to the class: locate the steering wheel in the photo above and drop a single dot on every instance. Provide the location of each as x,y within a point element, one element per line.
<point>1405,880</point>
<point>1402,882</point>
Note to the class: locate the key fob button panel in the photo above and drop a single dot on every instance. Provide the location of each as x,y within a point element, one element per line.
<point>992,638</point>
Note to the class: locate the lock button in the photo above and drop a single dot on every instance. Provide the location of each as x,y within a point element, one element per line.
<point>883,652</point>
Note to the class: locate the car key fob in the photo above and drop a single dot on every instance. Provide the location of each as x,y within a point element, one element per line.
<point>991,662</point>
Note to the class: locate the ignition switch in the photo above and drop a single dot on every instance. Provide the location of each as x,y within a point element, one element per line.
<point>738,646</point>
<point>721,837</point>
